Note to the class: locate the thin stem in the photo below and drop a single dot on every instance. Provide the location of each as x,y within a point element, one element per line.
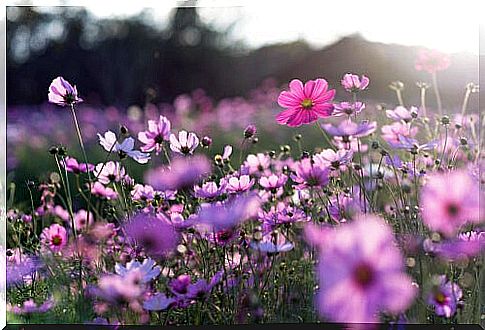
<point>325,135</point>
<point>399,97</point>
<point>423,101</point>
<point>464,106</point>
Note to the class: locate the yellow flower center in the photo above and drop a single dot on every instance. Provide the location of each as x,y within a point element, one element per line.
<point>307,103</point>
<point>440,297</point>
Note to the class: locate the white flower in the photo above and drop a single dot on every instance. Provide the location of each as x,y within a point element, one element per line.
<point>147,270</point>
<point>110,143</point>
<point>186,143</point>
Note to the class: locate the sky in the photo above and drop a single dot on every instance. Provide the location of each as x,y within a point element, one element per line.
<point>449,26</point>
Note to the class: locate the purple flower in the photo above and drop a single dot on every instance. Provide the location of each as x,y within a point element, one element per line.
<point>183,172</point>
<point>309,174</point>
<point>467,245</point>
<point>273,181</point>
<point>348,109</point>
<point>267,245</point>
<point>29,307</point>
<point>159,302</point>
<point>155,236</point>
<point>71,165</point>
<point>352,83</point>
<point>185,144</point>
<point>401,113</point>
<point>392,133</point>
<point>125,148</point>
<point>63,93</point>
<point>347,129</point>
<point>282,214</point>
<point>200,290</point>
<point>81,219</point>
<point>143,192</point>
<point>250,131</point>
<point>238,184</point>
<point>120,289</point>
<point>334,159</point>
<point>445,297</point>
<point>109,172</point>
<point>361,275</point>
<point>155,135</point>
<point>210,190</point>
<point>179,285</point>
<point>413,145</point>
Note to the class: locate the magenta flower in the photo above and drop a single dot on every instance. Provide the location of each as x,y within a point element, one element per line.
<point>71,165</point>
<point>98,189</point>
<point>54,238</point>
<point>352,83</point>
<point>155,236</point>
<point>432,61</point>
<point>391,133</point>
<point>210,189</point>
<point>238,184</point>
<point>305,104</point>
<point>445,297</point>
<point>63,93</point>
<point>155,135</point>
<point>179,285</point>
<point>348,109</point>
<point>309,174</point>
<point>185,144</point>
<point>361,275</point>
<point>449,201</point>
<point>273,181</point>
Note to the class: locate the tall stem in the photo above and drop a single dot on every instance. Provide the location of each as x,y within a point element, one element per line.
<point>464,106</point>
<point>437,93</point>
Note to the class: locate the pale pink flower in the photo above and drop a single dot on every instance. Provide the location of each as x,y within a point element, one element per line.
<point>185,144</point>
<point>61,92</point>
<point>352,82</point>
<point>155,135</point>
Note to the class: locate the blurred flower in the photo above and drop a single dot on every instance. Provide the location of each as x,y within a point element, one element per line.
<point>257,163</point>
<point>305,104</point>
<point>250,131</point>
<point>179,285</point>
<point>449,201</point>
<point>348,108</point>
<point>29,306</point>
<point>352,83</point>
<point>273,181</point>
<point>109,143</point>
<point>469,244</point>
<point>227,152</point>
<point>348,129</point>
<point>155,236</point>
<point>401,113</point>
<point>109,172</point>
<point>147,269</point>
<point>182,173</point>
<point>155,135</point>
<point>185,144</point>
<point>62,93</point>
<point>445,297</point>
<point>71,165</point>
<point>267,245</point>
<point>369,267</point>
<point>432,61</point>
<point>392,133</point>
<point>54,238</point>
<point>98,189</point>
<point>81,219</point>
<point>158,302</point>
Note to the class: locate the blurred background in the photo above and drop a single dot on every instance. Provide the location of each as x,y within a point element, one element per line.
<point>214,68</point>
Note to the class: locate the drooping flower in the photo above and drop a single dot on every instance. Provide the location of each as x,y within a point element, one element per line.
<point>54,238</point>
<point>154,136</point>
<point>109,172</point>
<point>360,275</point>
<point>72,165</point>
<point>432,61</point>
<point>305,103</point>
<point>155,236</point>
<point>125,148</point>
<point>185,144</point>
<point>449,201</point>
<point>147,269</point>
<point>182,173</point>
<point>445,297</point>
<point>352,83</point>
<point>61,92</point>
<point>348,109</point>
<point>309,174</point>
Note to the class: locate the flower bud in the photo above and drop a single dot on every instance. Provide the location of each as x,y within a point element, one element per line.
<point>206,141</point>
<point>249,131</point>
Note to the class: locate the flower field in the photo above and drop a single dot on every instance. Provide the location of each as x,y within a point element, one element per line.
<point>290,205</point>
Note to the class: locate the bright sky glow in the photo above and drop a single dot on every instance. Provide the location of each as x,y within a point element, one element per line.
<point>448,26</point>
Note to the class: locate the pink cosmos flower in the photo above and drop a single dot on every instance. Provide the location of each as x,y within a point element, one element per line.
<point>401,113</point>
<point>257,163</point>
<point>348,109</point>
<point>238,184</point>
<point>309,174</point>
<point>391,133</point>
<point>81,219</point>
<point>432,61</point>
<point>63,93</point>
<point>72,165</point>
<point>185,144</point>
<point>98,189</point>
<point>361,275</point>
<point>449,201</point>
<point>54,238</point>
<point>305,104</point>
<point>155,135</point>
<point>273,181</point>
<point>335,160</point>
<point>445,297</point>
<point>352,82</point>
<point>109,172</point>
<point>210,189</point>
